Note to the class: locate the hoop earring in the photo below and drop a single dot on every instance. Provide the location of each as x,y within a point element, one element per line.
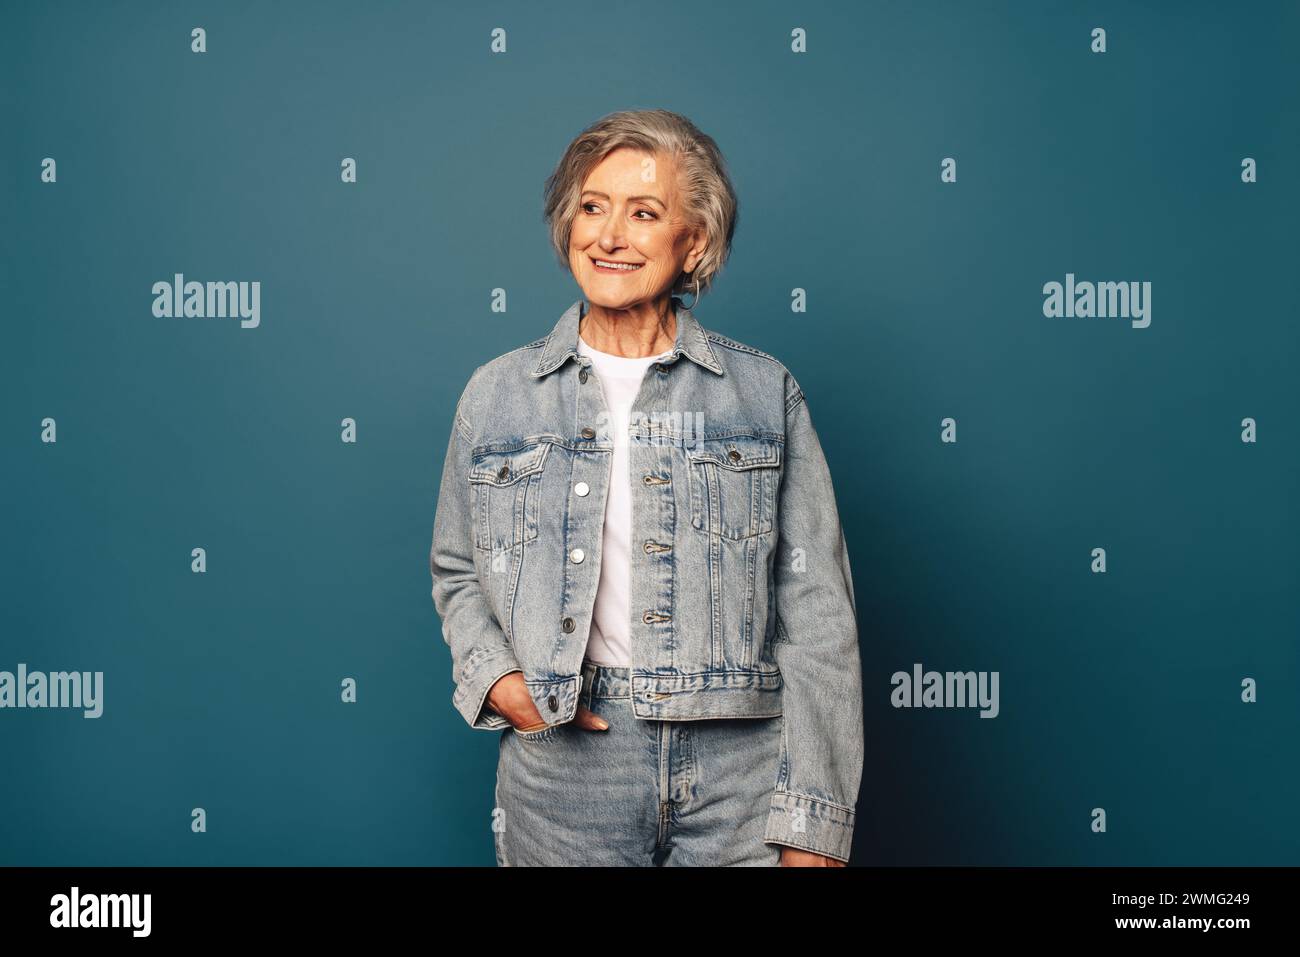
<point>697,295</point>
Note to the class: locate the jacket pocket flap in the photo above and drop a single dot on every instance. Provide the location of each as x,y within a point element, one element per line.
<point>738,452</point>
<point>506,468</point>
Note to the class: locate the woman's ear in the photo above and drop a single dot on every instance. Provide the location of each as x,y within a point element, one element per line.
<point>699,246</point>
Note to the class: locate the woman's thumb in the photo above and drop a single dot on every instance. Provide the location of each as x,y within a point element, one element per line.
<point>588,719</point>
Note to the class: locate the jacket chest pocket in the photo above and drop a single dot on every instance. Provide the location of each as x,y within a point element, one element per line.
<point>734,483</point>
<point>505,491</point>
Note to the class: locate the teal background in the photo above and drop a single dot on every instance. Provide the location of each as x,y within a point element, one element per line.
<point>222,690</point>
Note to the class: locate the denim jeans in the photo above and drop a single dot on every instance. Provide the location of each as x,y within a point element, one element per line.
<point>644,792</point>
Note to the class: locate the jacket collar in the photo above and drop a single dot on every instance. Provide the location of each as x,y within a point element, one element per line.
<point>563,341</point>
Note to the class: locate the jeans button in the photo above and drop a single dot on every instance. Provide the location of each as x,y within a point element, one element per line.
<point>577,555</point>
<point>567,624</point>
<point>553,704</point>
<point>582,488</point>
<point>588,432</point>
<point>582,375</point>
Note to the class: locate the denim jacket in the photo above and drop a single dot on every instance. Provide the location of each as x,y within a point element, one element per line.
<point>741,595</point>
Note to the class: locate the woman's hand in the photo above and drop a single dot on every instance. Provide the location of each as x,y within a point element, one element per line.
<point>509,698</point>
<point>794,857</point>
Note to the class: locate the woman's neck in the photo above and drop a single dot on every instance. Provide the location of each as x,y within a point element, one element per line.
<point>646,329</point>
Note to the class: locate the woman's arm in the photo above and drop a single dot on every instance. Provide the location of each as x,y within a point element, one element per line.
<point>480,653</point>
<point>816,648</point>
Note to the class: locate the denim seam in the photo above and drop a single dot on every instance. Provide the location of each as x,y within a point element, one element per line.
<point>512,594</point>
<point>747,617</point>
<point>732,344</point>
<point>824,803</point>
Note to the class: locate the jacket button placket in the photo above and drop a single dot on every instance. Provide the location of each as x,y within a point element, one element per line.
<point>650,469</point>
<point>585,515</point>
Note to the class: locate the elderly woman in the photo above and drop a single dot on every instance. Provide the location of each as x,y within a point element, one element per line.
<point>637,555</point>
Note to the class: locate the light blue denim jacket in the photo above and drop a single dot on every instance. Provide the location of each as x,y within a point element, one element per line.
<point>741,594</point>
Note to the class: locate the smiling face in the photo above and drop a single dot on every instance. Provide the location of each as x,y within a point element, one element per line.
<point>630,241</point>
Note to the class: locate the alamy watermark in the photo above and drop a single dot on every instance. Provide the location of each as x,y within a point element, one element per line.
<point>212,300</point>
<point>1102,300</point>
<point>75,909</point>
<point>656,427</point>
<point>946,689</point>
<point>58,689</point>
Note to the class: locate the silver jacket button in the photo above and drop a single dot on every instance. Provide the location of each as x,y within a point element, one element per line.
<point>582,488</point>
<point>577,555</point>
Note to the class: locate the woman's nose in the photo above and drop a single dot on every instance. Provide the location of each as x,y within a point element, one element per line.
<point>611,237</point>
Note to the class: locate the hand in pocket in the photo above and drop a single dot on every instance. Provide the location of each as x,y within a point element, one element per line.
<point>509,698</point>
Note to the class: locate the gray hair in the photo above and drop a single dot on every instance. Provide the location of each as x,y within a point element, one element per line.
<point>709,199</point>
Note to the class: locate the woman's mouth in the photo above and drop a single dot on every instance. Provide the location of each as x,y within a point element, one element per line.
<point>609,265</point>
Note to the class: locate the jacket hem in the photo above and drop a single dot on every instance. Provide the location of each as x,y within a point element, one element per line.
<point>707,694</point>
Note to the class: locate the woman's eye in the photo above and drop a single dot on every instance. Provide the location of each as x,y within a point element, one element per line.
<point>647,212</point>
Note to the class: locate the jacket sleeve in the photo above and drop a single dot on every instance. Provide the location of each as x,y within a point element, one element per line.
<point>816,649</point>
<point>480,653</point>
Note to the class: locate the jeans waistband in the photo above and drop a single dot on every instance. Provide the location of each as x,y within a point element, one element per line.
<point>605,681</point>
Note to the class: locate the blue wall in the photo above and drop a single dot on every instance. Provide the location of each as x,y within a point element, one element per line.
<point>925,301</point>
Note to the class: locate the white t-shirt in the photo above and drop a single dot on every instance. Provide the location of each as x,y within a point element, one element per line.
<point>609,642</point>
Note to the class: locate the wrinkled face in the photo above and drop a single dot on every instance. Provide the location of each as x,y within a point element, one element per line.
<point>629,241</point>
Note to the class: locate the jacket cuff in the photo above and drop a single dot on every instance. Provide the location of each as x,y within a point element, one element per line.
<point>810,824</point>
<point>479,676</point>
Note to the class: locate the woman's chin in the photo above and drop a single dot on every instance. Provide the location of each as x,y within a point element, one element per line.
<point>600,294</point>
